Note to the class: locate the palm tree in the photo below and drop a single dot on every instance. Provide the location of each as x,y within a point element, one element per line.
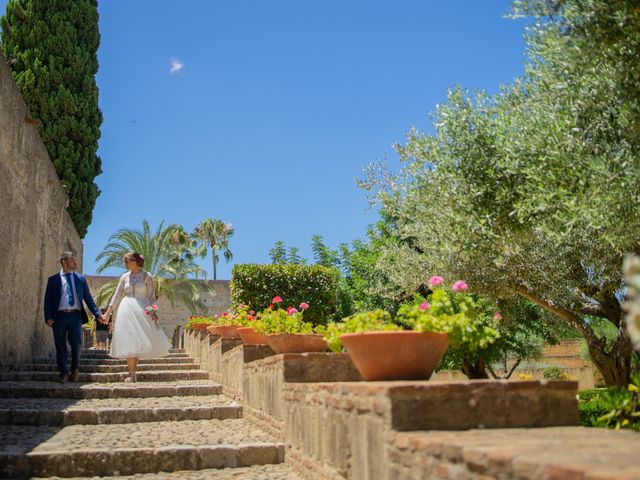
<point>169,255</point>
<point>215,234</point>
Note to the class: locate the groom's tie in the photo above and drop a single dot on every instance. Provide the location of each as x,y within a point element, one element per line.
<point>70,299</point>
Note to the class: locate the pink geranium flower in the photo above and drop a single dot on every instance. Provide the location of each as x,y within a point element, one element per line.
<point>276,299</point>
<point>497,317</point>
<point>424,306</point>
<point>304,306</point>
<point>292,310</point>
<point>435,280</point>
<point>460,286</point>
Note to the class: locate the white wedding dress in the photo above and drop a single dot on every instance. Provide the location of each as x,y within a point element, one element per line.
<point>135,334</point>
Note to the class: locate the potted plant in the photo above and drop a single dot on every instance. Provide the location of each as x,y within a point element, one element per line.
<point>225,325</point>
<point>381,350</point>
<point>246,322</point>
<point>196,322</point>
<point>287,332</point>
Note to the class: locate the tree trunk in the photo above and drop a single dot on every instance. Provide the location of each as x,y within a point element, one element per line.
<point>615,366</point>
<point>475,370</point>
<point>213,253</point>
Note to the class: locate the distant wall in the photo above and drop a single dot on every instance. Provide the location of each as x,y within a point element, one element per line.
<point>172,316</point>
<point>34,228</point>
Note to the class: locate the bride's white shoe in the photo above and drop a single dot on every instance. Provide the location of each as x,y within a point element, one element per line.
<point>130,379</point>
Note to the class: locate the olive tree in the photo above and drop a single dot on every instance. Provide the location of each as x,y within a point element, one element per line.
<point>532,192</point>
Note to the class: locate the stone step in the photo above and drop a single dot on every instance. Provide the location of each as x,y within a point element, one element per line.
<point>105,354</point>
<point>176,350</point>
<point>257,472</point>
<point>155,376</point>
<point>50,367</point>
<point>120,361</point>
<point>53,412</point>
<point>128,449</point>
<point>108,390</point>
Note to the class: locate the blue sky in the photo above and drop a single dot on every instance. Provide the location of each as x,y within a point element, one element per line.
<point>263,113</point>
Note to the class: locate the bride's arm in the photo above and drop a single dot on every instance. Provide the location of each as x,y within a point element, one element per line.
<point>117,296</point>
<point>150,290</point>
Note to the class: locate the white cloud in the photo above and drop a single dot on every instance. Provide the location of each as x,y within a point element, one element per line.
<point>176,65</point>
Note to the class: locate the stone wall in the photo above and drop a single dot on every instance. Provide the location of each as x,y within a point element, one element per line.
<point>34,228</point>
<point>404,430</point>
<point>172,316</point>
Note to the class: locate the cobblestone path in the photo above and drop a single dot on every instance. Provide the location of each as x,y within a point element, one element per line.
<point>174,423</point>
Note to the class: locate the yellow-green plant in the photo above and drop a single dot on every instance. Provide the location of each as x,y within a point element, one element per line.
<point>194,319</point>
<point>371,321</point>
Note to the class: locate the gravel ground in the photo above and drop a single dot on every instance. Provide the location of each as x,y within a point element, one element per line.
<point>154,435</point>
<point>56,404</point>
<point>40,389</point>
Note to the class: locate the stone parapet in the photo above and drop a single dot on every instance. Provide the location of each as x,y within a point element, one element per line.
<point>542,453</point>
<point>264,381</point>
<point>343,428</point>
<point>233,362</point>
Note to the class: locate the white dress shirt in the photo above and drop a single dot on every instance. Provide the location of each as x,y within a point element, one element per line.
<point>64,303</point>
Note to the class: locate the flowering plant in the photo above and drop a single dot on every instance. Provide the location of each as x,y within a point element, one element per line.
<point>453,312</point>
<point>151,310</point>
<point>277,320</point>
<point>239,316</point>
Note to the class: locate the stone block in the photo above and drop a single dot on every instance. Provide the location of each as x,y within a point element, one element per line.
<point>482,404</point>
<point>233,362</point>
<point>264,381</point>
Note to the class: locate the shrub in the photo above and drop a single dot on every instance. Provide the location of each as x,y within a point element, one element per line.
<point>591,406</point>
<point>256,285</point>
<point>554,373</point>
<point>622,406</point>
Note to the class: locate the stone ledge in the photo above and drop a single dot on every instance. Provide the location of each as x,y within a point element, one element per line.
<point>545,453</point>
<point>309,367</point>
<point>448,405</point>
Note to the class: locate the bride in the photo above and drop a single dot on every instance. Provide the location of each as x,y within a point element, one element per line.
<point>135,334</point>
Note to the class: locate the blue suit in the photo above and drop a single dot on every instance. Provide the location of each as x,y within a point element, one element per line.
<point>68,326</point>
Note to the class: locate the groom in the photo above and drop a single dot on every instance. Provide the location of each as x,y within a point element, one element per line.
<point>64,313</point>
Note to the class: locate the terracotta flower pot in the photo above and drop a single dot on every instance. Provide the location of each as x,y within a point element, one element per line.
<point>200,326</point>
<point>250,337</point>
<point>225,331</point>
<point>296,343</point>
<point>401,355</point>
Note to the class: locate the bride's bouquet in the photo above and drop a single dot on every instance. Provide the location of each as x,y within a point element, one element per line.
<point>152,311</point>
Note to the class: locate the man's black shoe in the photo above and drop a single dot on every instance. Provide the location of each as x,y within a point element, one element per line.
<point>64,379</point>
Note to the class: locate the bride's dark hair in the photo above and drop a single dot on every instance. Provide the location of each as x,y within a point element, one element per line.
<point>135,257</point>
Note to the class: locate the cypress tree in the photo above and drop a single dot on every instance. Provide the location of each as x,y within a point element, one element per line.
<point>52,48</point>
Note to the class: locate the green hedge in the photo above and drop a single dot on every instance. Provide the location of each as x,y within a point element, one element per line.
<point>591,406</point>
<point>256,285</point>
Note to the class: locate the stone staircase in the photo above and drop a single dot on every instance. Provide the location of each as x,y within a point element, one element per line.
<point>173,423</point>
